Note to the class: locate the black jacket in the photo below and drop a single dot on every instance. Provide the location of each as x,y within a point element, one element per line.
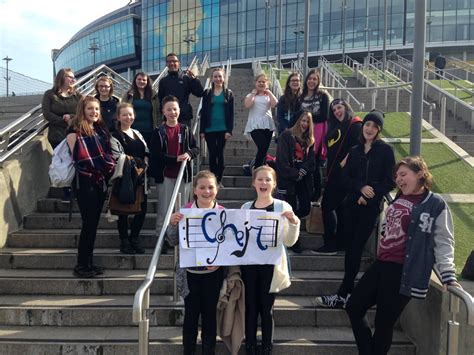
<point>346,133</point>
<point>287,168</point>
<point>374,169</point>
<point>160,158</point>
<point>206,110</point>
<point>180,85</point>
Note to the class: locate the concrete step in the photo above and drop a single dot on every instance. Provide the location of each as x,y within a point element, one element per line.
<point>168,340</point>
<point>111,258</point>
<point>126,282</point>
<point>106,238</point>
<point>116,311</point>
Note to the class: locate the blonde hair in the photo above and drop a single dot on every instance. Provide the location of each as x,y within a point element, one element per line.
<point>204,174</point>
<point>308,135</point>
<point>263,168</point>
<point>263,75</point>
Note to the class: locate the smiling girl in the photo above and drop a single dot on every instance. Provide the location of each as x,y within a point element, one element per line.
<point>260,125</point>
<point>217,121</point>
<point>89,142</point>
<point>417,235</point>
<point>262,282</point>
<point>295,166</point>
<point>135,147</point>
<point>199,286</point>
<point>367,177</point>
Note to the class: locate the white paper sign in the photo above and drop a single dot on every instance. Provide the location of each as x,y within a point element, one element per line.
<point>221,237</point>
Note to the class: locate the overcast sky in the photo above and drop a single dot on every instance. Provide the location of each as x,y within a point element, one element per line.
<point>29,29</point>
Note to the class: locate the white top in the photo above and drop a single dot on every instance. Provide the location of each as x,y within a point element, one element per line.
<point>260,115</point>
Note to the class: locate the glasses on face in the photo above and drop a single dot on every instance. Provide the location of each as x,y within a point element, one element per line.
<point>104,86</point>
<point>295,80</point>
<point>172,61</point>
<point>71,77</point>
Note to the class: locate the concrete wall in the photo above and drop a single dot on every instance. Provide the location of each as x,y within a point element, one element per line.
<point>425,322</point>
<point>23,179</point>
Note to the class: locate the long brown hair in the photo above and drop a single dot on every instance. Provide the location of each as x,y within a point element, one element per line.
<point>416,164</point>
<point>59,81</point>
<point>79,122</point>
<point>290,99</point>
<point>148,91</point>
<point>308,135</point>
<point>305,85</point>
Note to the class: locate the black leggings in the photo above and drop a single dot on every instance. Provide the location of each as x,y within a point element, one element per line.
<point>379,286</point>
<point>359,222</point>
<point>262,139</point>
<point>215,144</point>
<point>202,300</point>
<point>258,301</point>
<point>333,217</point>
<point>300,201</point>
<point>135,226</point>
<point>90,198</point>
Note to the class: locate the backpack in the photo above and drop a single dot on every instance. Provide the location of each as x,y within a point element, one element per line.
<point>62,170</point>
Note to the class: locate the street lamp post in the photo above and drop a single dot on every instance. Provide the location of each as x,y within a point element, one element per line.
<point>94,47</point>
<point>306,38</point>
<point>188,39</point>
<point>385,25</point>
<point>343,34</point>
<point>297,32</point>
<point>280,32</point>
<point>267,27</point>
<point>7,78</point>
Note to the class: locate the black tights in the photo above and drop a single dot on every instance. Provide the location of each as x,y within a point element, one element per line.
<point>215,144</point>
<point>258,301</point>
<point>262,139</point>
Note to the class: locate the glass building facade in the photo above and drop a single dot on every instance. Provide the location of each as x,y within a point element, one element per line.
<point>244,29</point>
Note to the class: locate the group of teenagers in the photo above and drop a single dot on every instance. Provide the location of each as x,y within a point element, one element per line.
<point>313,132</point>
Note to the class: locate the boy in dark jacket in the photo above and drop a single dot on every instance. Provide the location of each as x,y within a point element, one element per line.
<point>171,144</point>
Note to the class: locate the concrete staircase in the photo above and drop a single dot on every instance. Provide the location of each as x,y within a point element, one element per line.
<point>45,310</point>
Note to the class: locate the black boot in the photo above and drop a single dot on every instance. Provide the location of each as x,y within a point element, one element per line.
<point>296,248</point>
<point>251,349</point>
<point>136,245</point>
<point>208,349</point>
<point>267,349</point>
<point>125,245</point>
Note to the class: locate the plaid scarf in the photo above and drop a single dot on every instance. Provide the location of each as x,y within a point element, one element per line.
<point>93,156</point>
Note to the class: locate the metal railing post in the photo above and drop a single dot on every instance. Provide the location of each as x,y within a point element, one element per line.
<point>144,326</point>
<point>397,100</point>
<point>430,115</point>
<point>177,206</point>
<point>374,97</point>
<point>442,124</point>
<point>452,347</point>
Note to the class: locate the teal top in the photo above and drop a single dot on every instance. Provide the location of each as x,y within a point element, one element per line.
<point>143,116</point>
<point>217,114</point>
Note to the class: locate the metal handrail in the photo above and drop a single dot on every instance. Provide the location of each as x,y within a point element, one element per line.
<point>141,301</point>
<point>18,133</point>
<point>438,88</point>
<point>462,64</point>
<point>456,294</point>
<point>156,83</point>
<point>325,65</point>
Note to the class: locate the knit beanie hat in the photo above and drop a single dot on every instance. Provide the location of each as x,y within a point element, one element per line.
<point>375,116</point>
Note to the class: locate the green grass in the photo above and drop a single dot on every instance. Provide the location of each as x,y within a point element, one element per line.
<point>465,95</point>
<point>379,77</point>
<point>450,173</point>
<point>397,125</point>
<point>463,232</point>
<point>342,69</point>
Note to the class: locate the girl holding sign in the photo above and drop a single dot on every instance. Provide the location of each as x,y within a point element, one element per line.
<point>262,282</point>
<point>199,286</point>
